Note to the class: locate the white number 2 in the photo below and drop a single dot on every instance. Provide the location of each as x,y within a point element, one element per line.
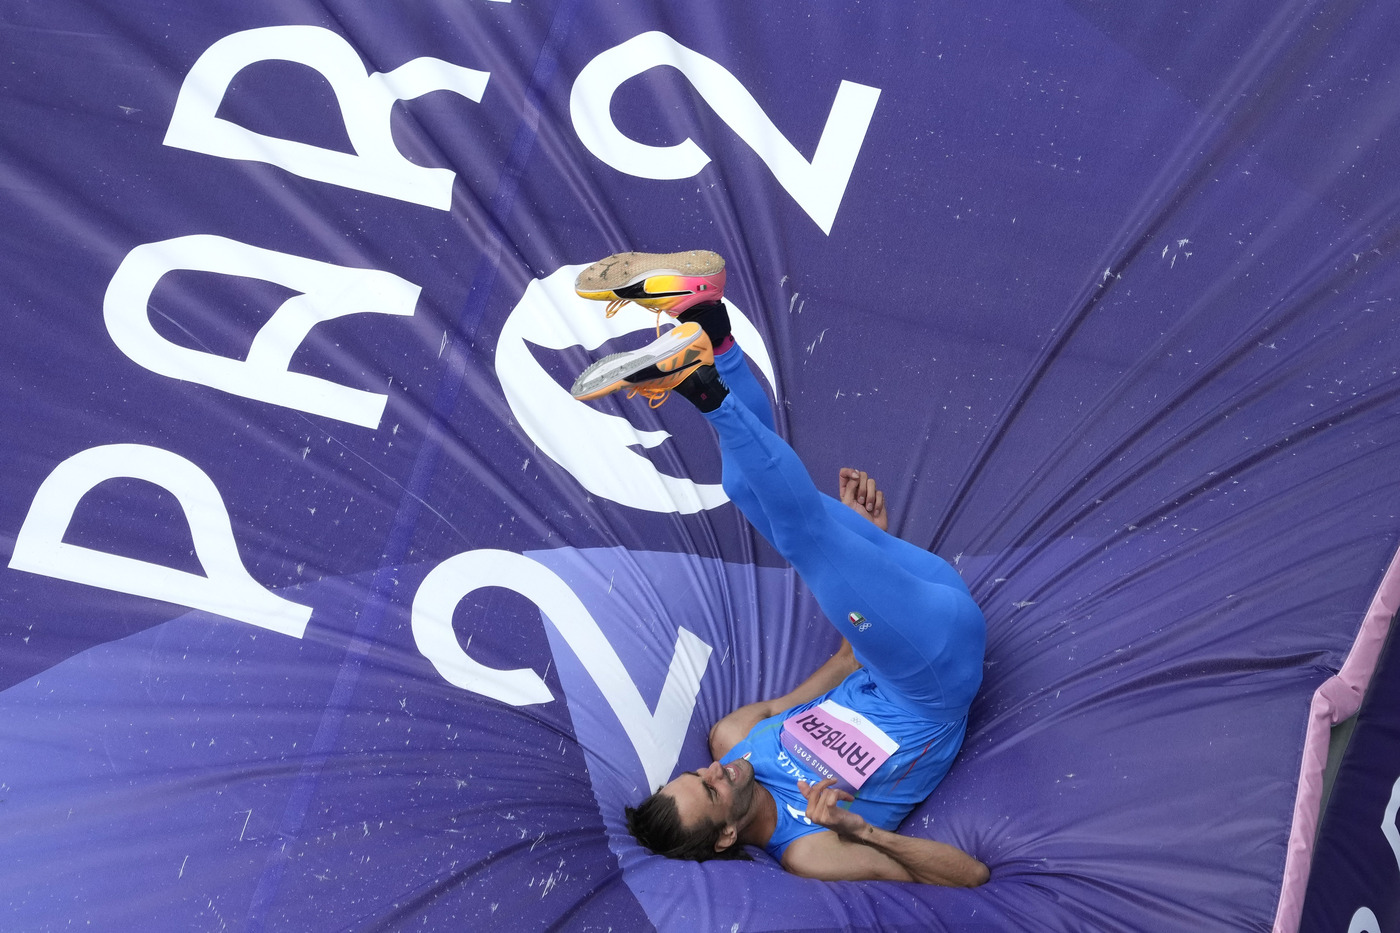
<point>657,736</point>
<point>817,186</point>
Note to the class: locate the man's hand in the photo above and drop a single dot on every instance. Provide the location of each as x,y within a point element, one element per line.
<point>854,850</point>
<point>823,808</point>
<point>858,491</point>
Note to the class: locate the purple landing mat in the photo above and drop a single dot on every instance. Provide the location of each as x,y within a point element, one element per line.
<point>324,606</point>
<point>160,788</point>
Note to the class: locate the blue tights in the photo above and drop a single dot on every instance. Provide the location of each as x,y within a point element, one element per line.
<point>906,612</point>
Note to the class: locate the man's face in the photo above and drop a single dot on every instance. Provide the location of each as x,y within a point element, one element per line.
<point>720,793</point>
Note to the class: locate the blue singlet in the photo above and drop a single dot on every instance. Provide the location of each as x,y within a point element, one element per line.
<point>926,750</point>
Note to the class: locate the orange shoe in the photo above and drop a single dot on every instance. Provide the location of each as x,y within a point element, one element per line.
<point>651,372</point>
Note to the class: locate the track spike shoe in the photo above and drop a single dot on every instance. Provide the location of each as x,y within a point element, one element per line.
<point>650,372</point>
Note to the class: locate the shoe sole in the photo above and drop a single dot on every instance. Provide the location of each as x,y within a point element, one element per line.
<point>625,269</point>
<point>677,353</point>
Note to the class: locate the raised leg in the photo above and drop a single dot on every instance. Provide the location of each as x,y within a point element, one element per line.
<point>906,613</point>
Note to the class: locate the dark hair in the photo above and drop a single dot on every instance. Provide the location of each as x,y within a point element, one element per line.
<point>656,824</point>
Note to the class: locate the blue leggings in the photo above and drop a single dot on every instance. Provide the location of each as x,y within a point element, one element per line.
<point>906,612</point>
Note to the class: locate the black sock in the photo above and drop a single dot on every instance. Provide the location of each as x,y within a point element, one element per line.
<point>713,319</point>
<point>704,388</point>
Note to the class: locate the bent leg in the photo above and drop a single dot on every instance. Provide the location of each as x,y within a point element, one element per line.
<point>921,563</point>
<point>738,376</point>
<point>924,637</point>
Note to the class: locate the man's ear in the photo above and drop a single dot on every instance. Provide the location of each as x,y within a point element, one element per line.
<point>727,837</point>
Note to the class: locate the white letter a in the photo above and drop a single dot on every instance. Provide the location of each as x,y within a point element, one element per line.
<point>327,292</point>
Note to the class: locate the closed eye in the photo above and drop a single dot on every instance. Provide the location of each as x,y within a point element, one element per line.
<point>709,791</point>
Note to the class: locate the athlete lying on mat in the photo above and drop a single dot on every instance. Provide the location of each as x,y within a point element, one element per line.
<point>822,777</point>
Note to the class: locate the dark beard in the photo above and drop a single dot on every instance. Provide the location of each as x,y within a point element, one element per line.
<point>743,800</point>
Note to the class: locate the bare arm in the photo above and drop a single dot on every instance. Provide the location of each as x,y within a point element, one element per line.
<point>854,850</point>
<point>730,730</point>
